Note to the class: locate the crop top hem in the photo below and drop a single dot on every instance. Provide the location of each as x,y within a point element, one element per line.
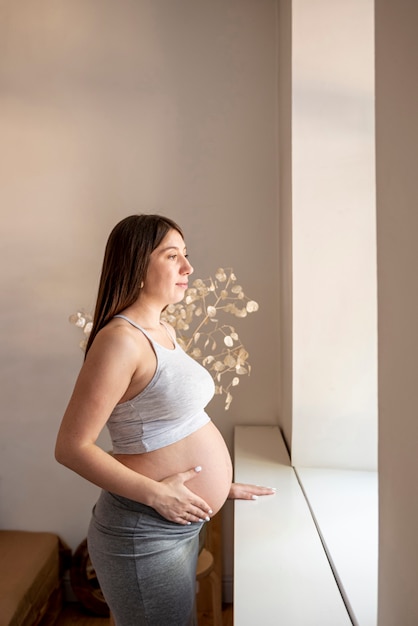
<point>172,436</point>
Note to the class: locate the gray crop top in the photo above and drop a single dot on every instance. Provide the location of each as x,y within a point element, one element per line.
<point>170,407</point>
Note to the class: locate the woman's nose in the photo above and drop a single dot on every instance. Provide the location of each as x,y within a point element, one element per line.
<point>188,268</point>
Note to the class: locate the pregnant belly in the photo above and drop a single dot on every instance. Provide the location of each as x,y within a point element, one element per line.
<point>205,447</point>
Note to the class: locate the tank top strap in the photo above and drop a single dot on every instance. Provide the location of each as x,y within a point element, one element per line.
<point>146,333</point>
<point>124,317</point>
<point>169,332</point>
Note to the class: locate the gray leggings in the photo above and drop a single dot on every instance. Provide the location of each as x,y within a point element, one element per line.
<point>145,565</point>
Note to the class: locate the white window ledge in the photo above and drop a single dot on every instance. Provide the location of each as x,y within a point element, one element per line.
<point>302,561</point>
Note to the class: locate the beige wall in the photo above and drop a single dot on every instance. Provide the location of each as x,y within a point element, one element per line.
<point>397,227</point>
<point>109,108</point>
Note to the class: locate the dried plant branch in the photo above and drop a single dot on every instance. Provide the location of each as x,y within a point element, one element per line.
<point>197,320</point>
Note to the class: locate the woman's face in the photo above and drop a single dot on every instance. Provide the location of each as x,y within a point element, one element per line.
<point>168,270</point>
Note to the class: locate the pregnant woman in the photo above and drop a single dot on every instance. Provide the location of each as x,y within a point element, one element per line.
<point>170,470</point>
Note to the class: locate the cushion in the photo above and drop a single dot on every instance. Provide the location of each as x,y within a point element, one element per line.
<point>29,575</point>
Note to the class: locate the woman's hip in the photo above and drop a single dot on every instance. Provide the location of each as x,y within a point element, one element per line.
<point>116,519</point>
<point>146,565</point>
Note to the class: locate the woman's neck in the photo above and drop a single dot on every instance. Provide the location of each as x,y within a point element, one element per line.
<point>146,316</point>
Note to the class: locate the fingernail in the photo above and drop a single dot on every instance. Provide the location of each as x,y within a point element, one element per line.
<point>201,520</point>
<point>189,523</point>
<point>210,511</point>
<point>254,497</point>
<point>207,519</point>
<point>198,469</point>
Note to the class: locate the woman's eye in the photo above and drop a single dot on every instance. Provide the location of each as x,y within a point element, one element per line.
<point>172,256</point>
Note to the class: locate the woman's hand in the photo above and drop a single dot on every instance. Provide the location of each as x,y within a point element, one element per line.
<point>241,491</point>
<point>177,503</point>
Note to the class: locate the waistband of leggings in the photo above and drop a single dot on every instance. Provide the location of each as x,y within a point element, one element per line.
<point>127,503</point>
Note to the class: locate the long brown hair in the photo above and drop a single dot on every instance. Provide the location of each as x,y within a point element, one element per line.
<point>125,265</point>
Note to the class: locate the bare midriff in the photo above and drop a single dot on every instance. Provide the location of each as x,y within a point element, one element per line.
<point>206,448</point>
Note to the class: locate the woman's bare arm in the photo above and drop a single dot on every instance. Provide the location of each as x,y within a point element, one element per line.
<point>103,380</point>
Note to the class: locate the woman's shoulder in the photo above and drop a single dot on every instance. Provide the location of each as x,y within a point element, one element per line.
<point>119,338</point>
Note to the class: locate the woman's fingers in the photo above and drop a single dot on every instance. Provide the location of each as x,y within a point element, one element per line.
<point>184,506</point>
<point>189,474</point>
<point>243,491</point>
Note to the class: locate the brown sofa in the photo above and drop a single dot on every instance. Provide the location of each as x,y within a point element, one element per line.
<point>32,566</point>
